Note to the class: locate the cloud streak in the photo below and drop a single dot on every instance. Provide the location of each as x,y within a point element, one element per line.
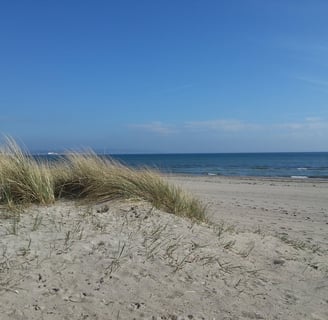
<point>310,123</point>
<point>312,81</point>
<point>156,127</point>
<point>227,125</point>
<point>233,126</point>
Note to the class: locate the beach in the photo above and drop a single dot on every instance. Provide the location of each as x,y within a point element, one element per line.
<point>261,254</point>
<point>297,208</point>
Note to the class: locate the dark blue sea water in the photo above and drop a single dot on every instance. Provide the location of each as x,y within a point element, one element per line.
<point>298,165</point>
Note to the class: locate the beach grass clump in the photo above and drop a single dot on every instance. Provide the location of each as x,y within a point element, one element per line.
<point>90,178</point>
<point>22,179</point>
<point>96,179</point>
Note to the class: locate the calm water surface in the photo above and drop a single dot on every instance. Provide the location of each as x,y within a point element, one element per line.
<point>301,165</point>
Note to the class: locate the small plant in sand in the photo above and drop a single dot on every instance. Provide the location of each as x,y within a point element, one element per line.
<point>14,226</point>
<point>116,260</point>
<point>87,177</point>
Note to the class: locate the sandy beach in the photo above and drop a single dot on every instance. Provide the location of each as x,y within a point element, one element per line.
<point>263,254</point>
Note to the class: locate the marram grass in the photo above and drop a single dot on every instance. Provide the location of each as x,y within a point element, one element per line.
<point>89,178</point>
<point>22,179</point>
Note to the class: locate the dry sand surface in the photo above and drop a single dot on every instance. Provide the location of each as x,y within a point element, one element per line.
<point>262,255</point>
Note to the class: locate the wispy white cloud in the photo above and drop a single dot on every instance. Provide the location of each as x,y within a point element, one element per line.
<point>173,89</point>
<point>310,123</point>
<point>312,81</point>
<point>307,125</point>
<point>156,127</point>
<point>236,135</point>
<point>229,125</point>
<point>182,87</point>
<point>176,89</point>
<point>304,49</point>
<point>303,46</point>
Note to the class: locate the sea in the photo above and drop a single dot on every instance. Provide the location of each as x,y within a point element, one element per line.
<point>292,165</point>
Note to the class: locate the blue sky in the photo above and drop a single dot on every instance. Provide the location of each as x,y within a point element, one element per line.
<point>165,76</point>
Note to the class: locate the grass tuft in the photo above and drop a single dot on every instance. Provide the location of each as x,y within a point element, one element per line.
<point>22,179</point>
<point>87,177</point>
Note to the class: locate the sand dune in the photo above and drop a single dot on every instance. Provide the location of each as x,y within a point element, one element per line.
<point>262,255</point>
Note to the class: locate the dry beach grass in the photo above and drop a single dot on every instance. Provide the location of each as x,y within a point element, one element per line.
<point>255,256</point>
<point>24,180</point>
